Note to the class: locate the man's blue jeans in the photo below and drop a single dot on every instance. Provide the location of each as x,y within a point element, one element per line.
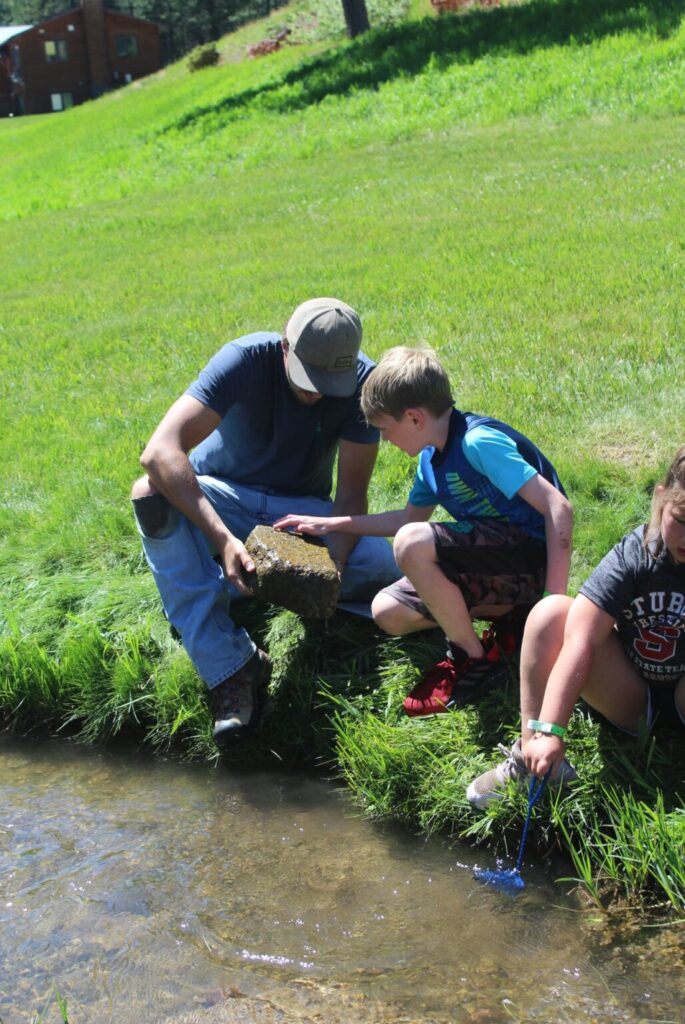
<point>194,592</point>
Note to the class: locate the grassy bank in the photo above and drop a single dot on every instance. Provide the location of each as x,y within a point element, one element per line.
<point>506,186</point>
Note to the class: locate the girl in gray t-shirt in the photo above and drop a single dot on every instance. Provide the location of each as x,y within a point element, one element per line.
<point>620,645</point>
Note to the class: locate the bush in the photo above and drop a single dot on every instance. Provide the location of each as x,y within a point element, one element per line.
<point>203,57</point>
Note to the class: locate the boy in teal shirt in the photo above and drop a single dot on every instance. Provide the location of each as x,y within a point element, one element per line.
<point>508,541</point>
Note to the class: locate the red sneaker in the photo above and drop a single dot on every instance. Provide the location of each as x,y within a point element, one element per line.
<point>458,680</point>
<point>507,641</point>
<point>430,696</point>
<point>479,676</point>
<point>508,629</point>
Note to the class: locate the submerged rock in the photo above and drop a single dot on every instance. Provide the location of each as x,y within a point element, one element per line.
<point>294,572</point>
<point>314,1003</point>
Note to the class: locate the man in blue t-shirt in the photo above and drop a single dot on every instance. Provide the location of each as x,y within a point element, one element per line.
<point>508,541</point>
<point>256,436</point>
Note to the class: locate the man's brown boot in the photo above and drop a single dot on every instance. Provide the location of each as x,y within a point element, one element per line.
<point>235,702</point>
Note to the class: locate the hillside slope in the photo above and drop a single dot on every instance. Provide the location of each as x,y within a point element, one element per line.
<point>558,60</point>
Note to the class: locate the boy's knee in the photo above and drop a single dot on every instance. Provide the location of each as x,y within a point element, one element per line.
<point>411,540</point>
<point>156,517</point>
<point>389,615</point>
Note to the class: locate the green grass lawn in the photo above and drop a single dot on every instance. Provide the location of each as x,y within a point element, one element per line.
<point>505,186</point>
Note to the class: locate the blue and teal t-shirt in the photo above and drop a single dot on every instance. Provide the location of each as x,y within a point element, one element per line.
<point>479,472</point>
<point>266,438</point>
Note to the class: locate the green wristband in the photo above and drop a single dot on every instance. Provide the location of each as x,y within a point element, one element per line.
<point>549,728</point>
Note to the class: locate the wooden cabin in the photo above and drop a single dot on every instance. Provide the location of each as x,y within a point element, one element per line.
<point>73,57</point>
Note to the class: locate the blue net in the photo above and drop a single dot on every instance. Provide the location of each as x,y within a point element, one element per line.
<point>509,879</point>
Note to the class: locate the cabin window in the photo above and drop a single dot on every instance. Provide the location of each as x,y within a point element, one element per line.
<point>61,100</point>
<point>127,46</point>
<point>55,50</point>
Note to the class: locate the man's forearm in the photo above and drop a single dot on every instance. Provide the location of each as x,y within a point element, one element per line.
<point>360,524</point>
<point>340,544</point>
<point>173,476</point>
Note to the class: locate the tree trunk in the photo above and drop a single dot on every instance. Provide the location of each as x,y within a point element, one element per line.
<point>356,17</point>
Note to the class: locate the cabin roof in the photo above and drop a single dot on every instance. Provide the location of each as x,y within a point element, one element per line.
<point>8,31</point>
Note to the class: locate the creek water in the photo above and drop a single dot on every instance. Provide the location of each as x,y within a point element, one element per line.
<point>143,890</point>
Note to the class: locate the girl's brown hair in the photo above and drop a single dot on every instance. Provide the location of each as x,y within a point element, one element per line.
<point>672,489</point>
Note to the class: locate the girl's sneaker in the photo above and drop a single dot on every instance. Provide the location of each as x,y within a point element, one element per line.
<point>492,785</point>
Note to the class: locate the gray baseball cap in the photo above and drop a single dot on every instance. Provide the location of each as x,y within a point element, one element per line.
<point>324,337</point>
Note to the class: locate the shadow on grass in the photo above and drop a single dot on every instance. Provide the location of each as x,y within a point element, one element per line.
<point>313,662</point>
<point>408,49</point>
<point>645,764</point>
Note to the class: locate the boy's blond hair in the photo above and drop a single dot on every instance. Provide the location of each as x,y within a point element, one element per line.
<point>406,378</point>
<point>672,489</point>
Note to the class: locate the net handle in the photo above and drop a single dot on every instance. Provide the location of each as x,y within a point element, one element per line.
<point>535,791</point>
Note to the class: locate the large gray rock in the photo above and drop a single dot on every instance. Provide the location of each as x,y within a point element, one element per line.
<point>294,572</point>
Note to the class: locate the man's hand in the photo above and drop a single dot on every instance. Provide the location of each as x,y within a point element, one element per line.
<point>314,526</point>
<point>237,563</point>
<point>543,752</point>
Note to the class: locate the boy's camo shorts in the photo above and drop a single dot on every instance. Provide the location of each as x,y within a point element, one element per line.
<point>491,563</point>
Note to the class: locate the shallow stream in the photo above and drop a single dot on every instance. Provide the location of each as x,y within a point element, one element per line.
<point>145,890</point>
